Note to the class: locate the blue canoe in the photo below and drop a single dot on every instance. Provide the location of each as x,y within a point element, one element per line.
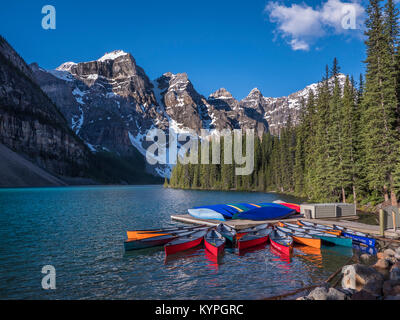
<point>358,237</point>
<point>370,242</point>
<point>265,211</point>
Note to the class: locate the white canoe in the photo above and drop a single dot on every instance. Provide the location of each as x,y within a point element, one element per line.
<point>204,213</point>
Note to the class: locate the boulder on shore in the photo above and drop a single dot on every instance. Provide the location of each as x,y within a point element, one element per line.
<point>397,254</point>
<point>391,288</point>
<point>395,271</point>
<point>382,264</point>
<point>325,293</point>
<point>366,258</point>
<point>356,276</point>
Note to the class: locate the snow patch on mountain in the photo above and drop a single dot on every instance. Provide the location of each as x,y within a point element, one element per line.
<point>112,55</point>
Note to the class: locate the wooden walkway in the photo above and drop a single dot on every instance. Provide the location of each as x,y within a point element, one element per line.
<point>242,224</point>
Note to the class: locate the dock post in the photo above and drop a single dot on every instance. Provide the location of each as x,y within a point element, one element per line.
<point>381,222</point>
<point>394,220</point>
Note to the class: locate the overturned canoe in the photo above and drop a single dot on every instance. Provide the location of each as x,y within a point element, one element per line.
<point>206,213</point>
<point>253,239</point>
<point>216,211</point>
<point>265,211</point>
<point>281,242</point>
<point>214,242</point>
<point>291,206</point>
<point>185,242</point>
<point>249,211</point>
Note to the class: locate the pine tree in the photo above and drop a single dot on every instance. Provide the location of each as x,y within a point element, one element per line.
<point>379,135</point>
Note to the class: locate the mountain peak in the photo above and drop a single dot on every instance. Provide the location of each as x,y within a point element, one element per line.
<point>221,93</point>
<point>255,91</point>
<point>112,55</point>
<point>66,66</point>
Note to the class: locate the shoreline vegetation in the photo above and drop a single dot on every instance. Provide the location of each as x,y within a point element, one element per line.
<point>345,147</point>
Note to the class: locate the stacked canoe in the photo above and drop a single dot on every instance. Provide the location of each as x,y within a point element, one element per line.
<point>248,211</point>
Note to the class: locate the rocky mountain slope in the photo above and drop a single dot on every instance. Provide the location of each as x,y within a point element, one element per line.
<point>38,145</point>
<point>30,123</point>
<point>111,104</point>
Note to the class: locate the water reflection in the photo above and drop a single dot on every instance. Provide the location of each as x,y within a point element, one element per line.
<point>251,249</point>
<point>212,260</point>
<point>184,255</point>
<point>281,257</point>
<point>310,254</point>
<point>339,250</point>
<point>363,249</point>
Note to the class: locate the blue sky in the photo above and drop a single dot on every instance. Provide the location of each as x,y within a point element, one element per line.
<point>278,46</point>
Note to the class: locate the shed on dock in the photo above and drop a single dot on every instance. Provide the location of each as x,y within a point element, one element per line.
<point>327,210</point>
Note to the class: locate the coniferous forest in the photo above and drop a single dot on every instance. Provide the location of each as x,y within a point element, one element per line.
<point>346,144</point>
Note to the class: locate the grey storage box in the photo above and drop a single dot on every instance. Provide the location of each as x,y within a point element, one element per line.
<point>327,210</point>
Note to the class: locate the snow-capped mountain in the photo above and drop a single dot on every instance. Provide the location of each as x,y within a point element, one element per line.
<point>111,104</point>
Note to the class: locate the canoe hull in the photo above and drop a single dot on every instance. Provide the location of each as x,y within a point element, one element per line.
<point>360,239</point>
<point>137,244</point>
<point>215,250</point>
<point>344,242</point>
<point>252,243</point>
<point>287,250</point>
<point>171,249</point>
<point>265,212</point>
<point>315,243</point>
<point>204,213</point>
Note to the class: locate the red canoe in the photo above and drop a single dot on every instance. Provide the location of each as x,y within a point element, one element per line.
<point>253,239</point>
<point>291,206</point>
<point>214,242</point>
<point>185,243</point>
<point>281,242</point>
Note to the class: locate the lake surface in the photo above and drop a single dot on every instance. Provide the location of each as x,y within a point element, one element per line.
<point>80,231</point>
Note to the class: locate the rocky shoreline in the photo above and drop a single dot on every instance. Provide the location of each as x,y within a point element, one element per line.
<point>371,278</point>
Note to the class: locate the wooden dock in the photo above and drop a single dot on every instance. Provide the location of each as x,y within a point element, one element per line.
<point>242,224</point>
<point>237,224</point>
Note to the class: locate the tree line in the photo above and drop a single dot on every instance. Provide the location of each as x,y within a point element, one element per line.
<point>345,146</point>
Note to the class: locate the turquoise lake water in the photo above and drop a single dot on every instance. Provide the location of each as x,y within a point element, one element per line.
<point>80,231</point>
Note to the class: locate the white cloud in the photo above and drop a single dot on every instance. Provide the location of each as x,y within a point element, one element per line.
<point>299,45</point>
<point>301,25</point>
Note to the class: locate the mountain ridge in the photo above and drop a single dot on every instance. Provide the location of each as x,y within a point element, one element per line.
<point>111,104</point>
